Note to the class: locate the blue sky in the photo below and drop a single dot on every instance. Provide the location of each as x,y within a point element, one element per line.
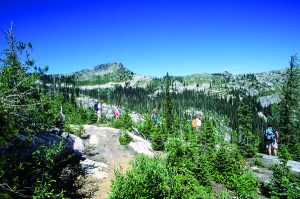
<point>152,37</point>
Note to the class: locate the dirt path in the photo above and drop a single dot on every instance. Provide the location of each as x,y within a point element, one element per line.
<point>105,185</point>
<point>102,147</point>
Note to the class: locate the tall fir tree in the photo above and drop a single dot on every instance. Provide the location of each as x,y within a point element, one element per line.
<point>168,108</point>
<point>18,89</point>
<point>289,109</point>
<point>247,141</point>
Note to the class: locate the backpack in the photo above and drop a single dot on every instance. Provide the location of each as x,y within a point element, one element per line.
<point>270,134</point>
<point>96,107</point>
<point>194,123</point>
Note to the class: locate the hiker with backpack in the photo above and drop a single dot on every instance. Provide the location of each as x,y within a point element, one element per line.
<point>271,139</point>
<point>197,122</point>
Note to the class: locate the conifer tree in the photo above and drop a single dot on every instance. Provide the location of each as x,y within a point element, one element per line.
<point>168,108</point>
<point>18,89</point>
<point>208,137</point>
<point>246,139</point>
<point>289,108</point>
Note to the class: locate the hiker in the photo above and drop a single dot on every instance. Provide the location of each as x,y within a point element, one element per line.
<point>155,116</point>
<point>271,140</point>
<point>117,112</point>
<point>198,121</point>
<point>96,106</point>
<point>99,111</point>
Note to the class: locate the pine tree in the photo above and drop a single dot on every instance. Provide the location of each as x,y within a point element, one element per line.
<point>18,89</point>
<point>289,108</point>
<point>168,108</point>
<point>247,141</point>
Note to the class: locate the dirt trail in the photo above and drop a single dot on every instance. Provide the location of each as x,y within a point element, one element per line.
<point>101,146</point>
<point>105,185</point>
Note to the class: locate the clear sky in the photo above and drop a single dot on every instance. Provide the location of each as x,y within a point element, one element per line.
<point>152,37</point>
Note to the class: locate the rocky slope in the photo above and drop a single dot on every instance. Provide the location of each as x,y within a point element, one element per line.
<point>266,86</point>
<point>102,74</point>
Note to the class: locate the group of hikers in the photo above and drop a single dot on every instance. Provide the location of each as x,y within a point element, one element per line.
<point>98,108</point>
<point>271,135</point>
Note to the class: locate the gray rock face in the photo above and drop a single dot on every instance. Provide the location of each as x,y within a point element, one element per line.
<point>101,70</point>
<point>270,99</point>
<point>23,147</point>
<point>269,160</point>
<point>264,174</point>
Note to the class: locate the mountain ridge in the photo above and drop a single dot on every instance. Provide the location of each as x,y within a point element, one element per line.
<point>265,85</point>
<point>111,66</point>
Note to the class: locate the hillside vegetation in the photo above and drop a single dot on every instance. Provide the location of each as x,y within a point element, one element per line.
<point>194,161</point>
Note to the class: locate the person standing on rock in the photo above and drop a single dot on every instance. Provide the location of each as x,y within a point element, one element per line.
<point>271,140</point>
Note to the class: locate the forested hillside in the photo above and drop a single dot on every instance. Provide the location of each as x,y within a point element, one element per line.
<point>194,161</point>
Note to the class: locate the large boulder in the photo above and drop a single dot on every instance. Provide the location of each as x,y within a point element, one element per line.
<point>24,146</point>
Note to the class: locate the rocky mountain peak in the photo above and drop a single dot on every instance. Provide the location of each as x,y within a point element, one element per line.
<point>108,67</point>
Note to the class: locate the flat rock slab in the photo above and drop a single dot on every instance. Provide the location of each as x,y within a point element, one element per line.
<point>264,174</point>
<point>141,145</point>
<point>269,160</point>
<point>103,144</point>
<point>94,169</point>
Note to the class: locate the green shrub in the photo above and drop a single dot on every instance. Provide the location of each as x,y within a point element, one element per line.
<point>75,129</point>
<point>245,185</point>
<point>125,139</point>
<point>38,177</point>
<point>150,178</point>
<point>297,152</point>
<point>283,184</point>
<point>183,184</point>
<point>249,146</point>
<point>124,122</point>
<point>229,169</point>
<point>44,164</point>
<point>147,126</point>
<point>184,157</point>
<point>146,179</point>
<point>284,154</point>
<point>157,139</point>
<point>227,162</point>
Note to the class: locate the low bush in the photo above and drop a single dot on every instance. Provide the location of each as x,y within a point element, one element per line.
<point>75,129</point>
<point>245,185</point>
<point>152,178</point>
<point>146,179</point>
<point>124,122</point>
<point>125,139</point>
